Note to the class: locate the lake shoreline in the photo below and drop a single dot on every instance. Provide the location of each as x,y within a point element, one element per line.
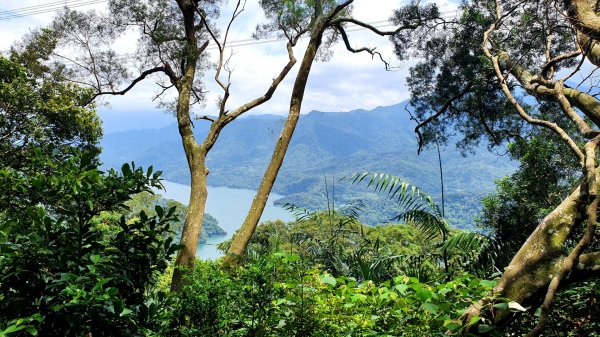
<point>229,206</point>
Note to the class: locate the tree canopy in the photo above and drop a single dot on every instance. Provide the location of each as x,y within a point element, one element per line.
<point>41,114</point>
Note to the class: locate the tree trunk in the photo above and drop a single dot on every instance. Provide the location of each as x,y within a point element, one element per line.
<point>540,257</point>
<point>242,238</point>
<point>196,158</point>
<point>190,234</point>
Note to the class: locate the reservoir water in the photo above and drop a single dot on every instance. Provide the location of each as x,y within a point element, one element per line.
<point>229,206</point>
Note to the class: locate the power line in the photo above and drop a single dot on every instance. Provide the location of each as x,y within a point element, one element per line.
<point>48,4</point>
<point>272,39</point>
<point>46,8</point>
<point>250,42</point>
<point>58,5</point>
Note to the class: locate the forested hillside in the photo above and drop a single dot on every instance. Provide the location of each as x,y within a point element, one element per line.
<point>326,145</point>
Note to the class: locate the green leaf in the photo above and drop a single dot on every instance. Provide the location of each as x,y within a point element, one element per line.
<point>125,312</point>
<point>95,258</point>
<point>328,279</point>
<point>430,307</point>
<point>501,306</point>
<point>401,288</point>
<point>159,211</point>
<point>488,283</point>
<point>423,294</point>
<point>485,328</point>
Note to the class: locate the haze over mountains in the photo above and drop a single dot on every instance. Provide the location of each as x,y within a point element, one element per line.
<point>325,146</point>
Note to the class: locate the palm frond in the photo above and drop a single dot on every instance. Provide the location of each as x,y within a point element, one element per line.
<point>417,208</point>
<point>406,195</point>
<point>299,213</point>
<point>429,224</point>
<point>352,211</point>
<point>477,250</point>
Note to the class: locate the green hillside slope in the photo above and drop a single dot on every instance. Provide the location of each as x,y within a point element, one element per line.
<point>326,145</point>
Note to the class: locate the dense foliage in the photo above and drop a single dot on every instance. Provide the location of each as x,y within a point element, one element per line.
<point>280,295</point>
<point>544,178</point>
<point>86,253</point>
<point>41,115</point>
<point>68,270</point>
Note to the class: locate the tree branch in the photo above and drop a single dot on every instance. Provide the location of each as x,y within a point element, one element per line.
<point>225,119</point>
<point>566,107</point>
<point>371,51</point>
<point>142,76</point>
<point>270,91</point>
<point>380,32</point>
<point>438,113</point>
<point>549,66</point>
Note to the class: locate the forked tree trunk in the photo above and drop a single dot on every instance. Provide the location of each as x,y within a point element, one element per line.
<point>242,238</point>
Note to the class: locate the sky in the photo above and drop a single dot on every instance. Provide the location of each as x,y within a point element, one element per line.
<point>346,82</point>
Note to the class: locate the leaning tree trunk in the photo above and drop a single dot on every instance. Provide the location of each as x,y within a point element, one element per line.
<point>540,257</point>
<point>242,238</point>
<point>543,260</point>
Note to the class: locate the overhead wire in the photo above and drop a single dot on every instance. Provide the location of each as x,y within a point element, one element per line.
<point>58,5</point>
<point>46,8</point>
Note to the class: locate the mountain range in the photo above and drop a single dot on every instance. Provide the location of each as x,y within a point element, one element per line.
<point>326,146</point>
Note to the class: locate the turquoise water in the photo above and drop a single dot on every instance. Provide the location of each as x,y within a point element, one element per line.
<point>229,206</point>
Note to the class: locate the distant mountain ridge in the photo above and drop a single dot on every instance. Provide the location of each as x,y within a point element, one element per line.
<point>326,145</point>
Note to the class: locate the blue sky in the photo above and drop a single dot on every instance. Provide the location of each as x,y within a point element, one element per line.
<point>348,81</point>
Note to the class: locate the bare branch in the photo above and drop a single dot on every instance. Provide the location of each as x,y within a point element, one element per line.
<point>338,9</point>
<point>142,76</point>
<point>370,51</point>
<point>438,113</point>
<point>270,91</point>
<point>374,29</point>
<point>164,89</point>
<point>205,117</point>
<point>548,68</point>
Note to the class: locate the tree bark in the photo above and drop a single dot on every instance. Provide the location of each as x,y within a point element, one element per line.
<point>190,234</point>
<point>195,154</point>
<point>242,238</point>
<point>540,257</point>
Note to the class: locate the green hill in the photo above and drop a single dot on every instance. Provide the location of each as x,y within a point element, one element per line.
<point>326,145</point>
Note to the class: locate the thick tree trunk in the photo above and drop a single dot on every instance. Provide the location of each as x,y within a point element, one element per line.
<point>242,238</point>
<point>541,256</point>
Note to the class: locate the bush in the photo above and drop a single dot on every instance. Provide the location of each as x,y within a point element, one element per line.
<point>280,295</point>
<point>65,269</point>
